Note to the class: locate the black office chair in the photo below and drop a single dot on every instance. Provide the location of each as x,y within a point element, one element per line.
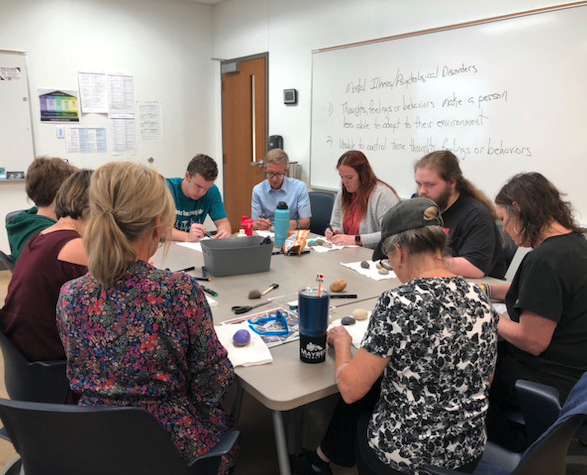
<point>37,381</point>
<point>6,262</point>
<point>12,214</point>
<point>321,203</point>
<point>69,440</point>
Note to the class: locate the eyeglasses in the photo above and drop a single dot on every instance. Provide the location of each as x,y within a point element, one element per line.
<point>274,175</point>
<point>385,264</point>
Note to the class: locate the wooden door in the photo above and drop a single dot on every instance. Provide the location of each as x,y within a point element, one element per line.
<point>244,134</point>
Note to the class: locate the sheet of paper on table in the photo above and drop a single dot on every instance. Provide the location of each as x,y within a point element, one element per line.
<point>356,331</point>
<point>196,246</point>
<point>371,272</point>
<point>255,353</point>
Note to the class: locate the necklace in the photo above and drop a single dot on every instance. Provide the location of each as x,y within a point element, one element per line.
<point>70,224</point>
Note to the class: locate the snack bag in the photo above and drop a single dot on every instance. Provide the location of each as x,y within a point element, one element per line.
<point>296,242</point>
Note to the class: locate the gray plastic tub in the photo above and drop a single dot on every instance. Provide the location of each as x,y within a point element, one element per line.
<point>234,256</point>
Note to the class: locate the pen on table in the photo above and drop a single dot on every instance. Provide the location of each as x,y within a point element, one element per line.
<point>187,269</point>
<point>209,291</point>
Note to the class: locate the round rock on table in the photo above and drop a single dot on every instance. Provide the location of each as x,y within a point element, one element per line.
<point>348,321</point>
<point>241,338</point>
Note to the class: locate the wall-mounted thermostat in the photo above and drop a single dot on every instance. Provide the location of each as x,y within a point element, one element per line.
<point>290,96</point>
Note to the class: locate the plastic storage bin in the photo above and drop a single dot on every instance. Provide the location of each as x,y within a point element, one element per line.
<point>234,256</point>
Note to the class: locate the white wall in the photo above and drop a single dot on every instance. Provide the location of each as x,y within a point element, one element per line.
<point>289,31</point>
<point>166,45</point>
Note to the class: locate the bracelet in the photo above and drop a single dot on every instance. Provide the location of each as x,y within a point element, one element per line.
<point>486,288</point>
<point>339,370</point>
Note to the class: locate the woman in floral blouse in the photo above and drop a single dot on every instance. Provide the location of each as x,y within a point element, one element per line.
<point>432,341</point>
<point>135,335</point>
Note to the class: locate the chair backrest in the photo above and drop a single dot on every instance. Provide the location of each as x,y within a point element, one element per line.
<point>507,243</point>
<point>38,381</point>
<point>69,440</point>
<point>321,203</point>
<point>549,454</point>
<point>540,406</point>
<point>12,214</point>
<point>6,262</point>
<point>516,261</point>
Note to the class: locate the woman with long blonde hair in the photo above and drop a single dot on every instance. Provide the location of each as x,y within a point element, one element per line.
<point>135,335</point>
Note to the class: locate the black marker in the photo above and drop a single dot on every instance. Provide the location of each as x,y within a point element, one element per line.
<point>187,269</point>
<point>209,291</point>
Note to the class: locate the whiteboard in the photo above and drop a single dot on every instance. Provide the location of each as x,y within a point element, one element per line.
<point>16,135</point>
<point>506,96</point>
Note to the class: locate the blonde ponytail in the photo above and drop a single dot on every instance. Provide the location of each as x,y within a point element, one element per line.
<point>125,201</point>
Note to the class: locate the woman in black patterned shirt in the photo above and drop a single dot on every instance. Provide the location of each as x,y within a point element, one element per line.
<point>431,343</point>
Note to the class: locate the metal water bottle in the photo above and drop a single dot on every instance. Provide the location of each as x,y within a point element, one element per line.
<point>281,223</point>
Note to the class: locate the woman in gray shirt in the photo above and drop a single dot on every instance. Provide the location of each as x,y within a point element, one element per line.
<point>360,204</point>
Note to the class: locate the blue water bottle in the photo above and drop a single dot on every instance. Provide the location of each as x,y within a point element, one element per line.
<point>281,223</point>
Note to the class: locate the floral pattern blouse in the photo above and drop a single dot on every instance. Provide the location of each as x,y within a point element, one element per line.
<point>148,341</point>
<point>441,337</point>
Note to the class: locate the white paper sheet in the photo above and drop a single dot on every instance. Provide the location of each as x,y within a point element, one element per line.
<point>255,353</point>
<point>150,119</point>
<point>371,272</point>
<point>356,331</point>
<point>92,91</point>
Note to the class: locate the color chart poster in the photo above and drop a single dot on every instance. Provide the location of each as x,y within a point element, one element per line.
<point>58,105</point>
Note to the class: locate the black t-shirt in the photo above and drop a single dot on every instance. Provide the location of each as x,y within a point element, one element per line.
<point>552,282</point>
<point>473,235</point>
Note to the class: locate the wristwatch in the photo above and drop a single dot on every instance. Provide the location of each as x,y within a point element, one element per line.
<point>357,239</point>
<point>297,224</point>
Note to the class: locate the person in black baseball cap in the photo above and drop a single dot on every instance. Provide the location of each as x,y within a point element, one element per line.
<point>431,343</point>
<point>408,214</point>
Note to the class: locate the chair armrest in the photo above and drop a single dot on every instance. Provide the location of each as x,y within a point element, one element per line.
<point>208,463</point>
<point>439,471</point>
<point>540,405</point>
<point>222,447</point>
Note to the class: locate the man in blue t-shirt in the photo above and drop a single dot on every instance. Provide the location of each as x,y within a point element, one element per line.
<point>279,187</point>
<point>196,196</point>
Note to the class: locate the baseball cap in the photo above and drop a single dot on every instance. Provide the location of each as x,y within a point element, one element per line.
<point>407,214</point>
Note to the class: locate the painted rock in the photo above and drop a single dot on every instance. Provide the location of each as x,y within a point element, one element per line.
<point>241,338</point>
<point>365,265</point>
<point>347,321</point>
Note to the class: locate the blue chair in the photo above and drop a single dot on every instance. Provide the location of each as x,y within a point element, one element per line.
<point>71,440</point>
<point>548,453</point>
<point>321,203</point>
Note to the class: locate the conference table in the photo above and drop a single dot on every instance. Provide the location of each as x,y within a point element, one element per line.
<point>286,383</point>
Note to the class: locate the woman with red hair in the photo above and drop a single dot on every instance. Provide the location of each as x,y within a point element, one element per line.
<point>360,204</point>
